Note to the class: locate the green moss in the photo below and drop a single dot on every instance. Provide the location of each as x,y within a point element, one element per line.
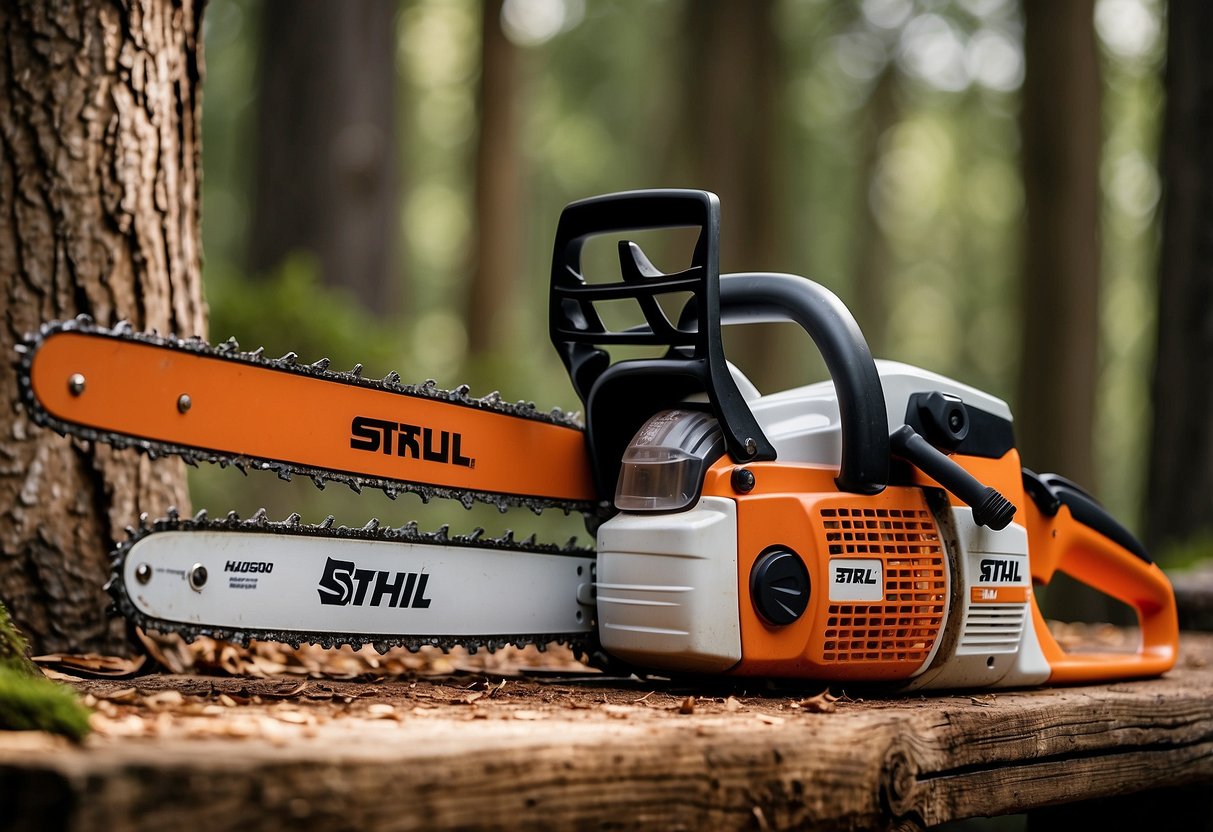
<point>31,704</point>
<point>28,700</point>
<point>14,649</point>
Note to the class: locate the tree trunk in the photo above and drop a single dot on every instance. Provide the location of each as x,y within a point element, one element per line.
<point>731,133</point>
<point>495,272</point>
<point>99,157</point>
<point>1180,498</point>
<point>872,257</point>
<point>1060,301</point>
<point>326,175</point>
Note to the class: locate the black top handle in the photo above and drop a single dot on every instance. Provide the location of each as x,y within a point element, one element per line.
<point>770,298</point>
<point>696,353</point>
<point>619,397</point>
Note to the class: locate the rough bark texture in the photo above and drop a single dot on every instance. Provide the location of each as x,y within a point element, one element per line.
<point>99,159</point>
<point>1060,301</point>
<point>326,173</point>
<point>496,269</point>
<point>1180,495</point>
<point>734,87</point>
<point>573,755</point>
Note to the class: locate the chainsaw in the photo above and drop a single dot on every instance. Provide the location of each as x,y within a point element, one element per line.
<point>876,526</point>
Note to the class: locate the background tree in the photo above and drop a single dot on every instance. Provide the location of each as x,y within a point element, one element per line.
<point>730,135</point>
<point>326,178</point>
<point>1059,316</point>
<point>494,273</point>
<point>1179,506</point>
<point>99,158</point>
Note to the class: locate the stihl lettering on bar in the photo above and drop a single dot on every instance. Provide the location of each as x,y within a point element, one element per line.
<point>413,441</point>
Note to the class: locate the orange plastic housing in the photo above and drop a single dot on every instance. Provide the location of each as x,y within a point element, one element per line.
<point>799,507</point>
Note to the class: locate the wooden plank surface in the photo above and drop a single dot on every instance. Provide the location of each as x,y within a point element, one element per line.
<point>468,752</point>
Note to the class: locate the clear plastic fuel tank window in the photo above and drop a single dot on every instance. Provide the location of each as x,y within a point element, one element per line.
<point>664,466</point>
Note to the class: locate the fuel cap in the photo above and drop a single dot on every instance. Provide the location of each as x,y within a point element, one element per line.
<point>779,586</point>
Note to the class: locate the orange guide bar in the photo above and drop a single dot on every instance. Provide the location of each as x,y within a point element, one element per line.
<point>238,409</point>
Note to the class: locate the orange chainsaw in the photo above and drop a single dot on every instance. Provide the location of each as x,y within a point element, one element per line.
<point>875,526</point>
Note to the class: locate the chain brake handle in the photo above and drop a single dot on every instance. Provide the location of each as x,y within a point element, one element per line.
<point>694,360</point>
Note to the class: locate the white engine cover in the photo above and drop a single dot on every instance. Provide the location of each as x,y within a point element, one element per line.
<point>667,588</point>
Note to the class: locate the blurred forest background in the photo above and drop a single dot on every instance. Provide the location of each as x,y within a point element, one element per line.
<point>382,182</point>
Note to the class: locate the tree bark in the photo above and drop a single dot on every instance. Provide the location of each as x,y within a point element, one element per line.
<point>326,179</point>
<point>1060,301</point>
<point>99,200</point>
<point>498,191</point>
<point>1180,497</point>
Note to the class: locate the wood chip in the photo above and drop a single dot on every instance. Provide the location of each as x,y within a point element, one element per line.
<point>164,699</point>
<point>120,695</point>
<point>732,704</point>
<point>526,715</point>
<point>687,706</point>
<point>381,710</point>
<point>293,717</point>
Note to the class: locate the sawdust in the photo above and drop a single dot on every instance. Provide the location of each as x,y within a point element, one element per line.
<point>266,659</point>
<point>281,710</point>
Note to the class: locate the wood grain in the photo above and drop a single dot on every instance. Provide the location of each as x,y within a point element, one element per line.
<point>558,758</point>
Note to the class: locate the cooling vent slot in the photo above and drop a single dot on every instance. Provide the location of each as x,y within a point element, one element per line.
<point>993,628</point>
<point>903,627</point>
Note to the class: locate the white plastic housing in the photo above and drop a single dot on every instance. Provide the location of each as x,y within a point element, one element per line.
<point>992,644</point>
<point>667,588</point>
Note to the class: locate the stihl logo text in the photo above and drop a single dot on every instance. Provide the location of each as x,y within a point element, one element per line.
<point>852,575</point>
<point>408,440</point>
<point>856,579</point>
<point>997,571</point>
<point>343,584</point>
<point>249,566</point>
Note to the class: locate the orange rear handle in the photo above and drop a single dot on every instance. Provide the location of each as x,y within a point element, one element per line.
<point>1061,543</point>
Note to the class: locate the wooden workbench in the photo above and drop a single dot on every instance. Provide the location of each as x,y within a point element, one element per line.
<point>468,751</point>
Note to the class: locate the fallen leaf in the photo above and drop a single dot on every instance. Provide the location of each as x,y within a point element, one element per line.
<point>822,703</point>
<point>92,665</point>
